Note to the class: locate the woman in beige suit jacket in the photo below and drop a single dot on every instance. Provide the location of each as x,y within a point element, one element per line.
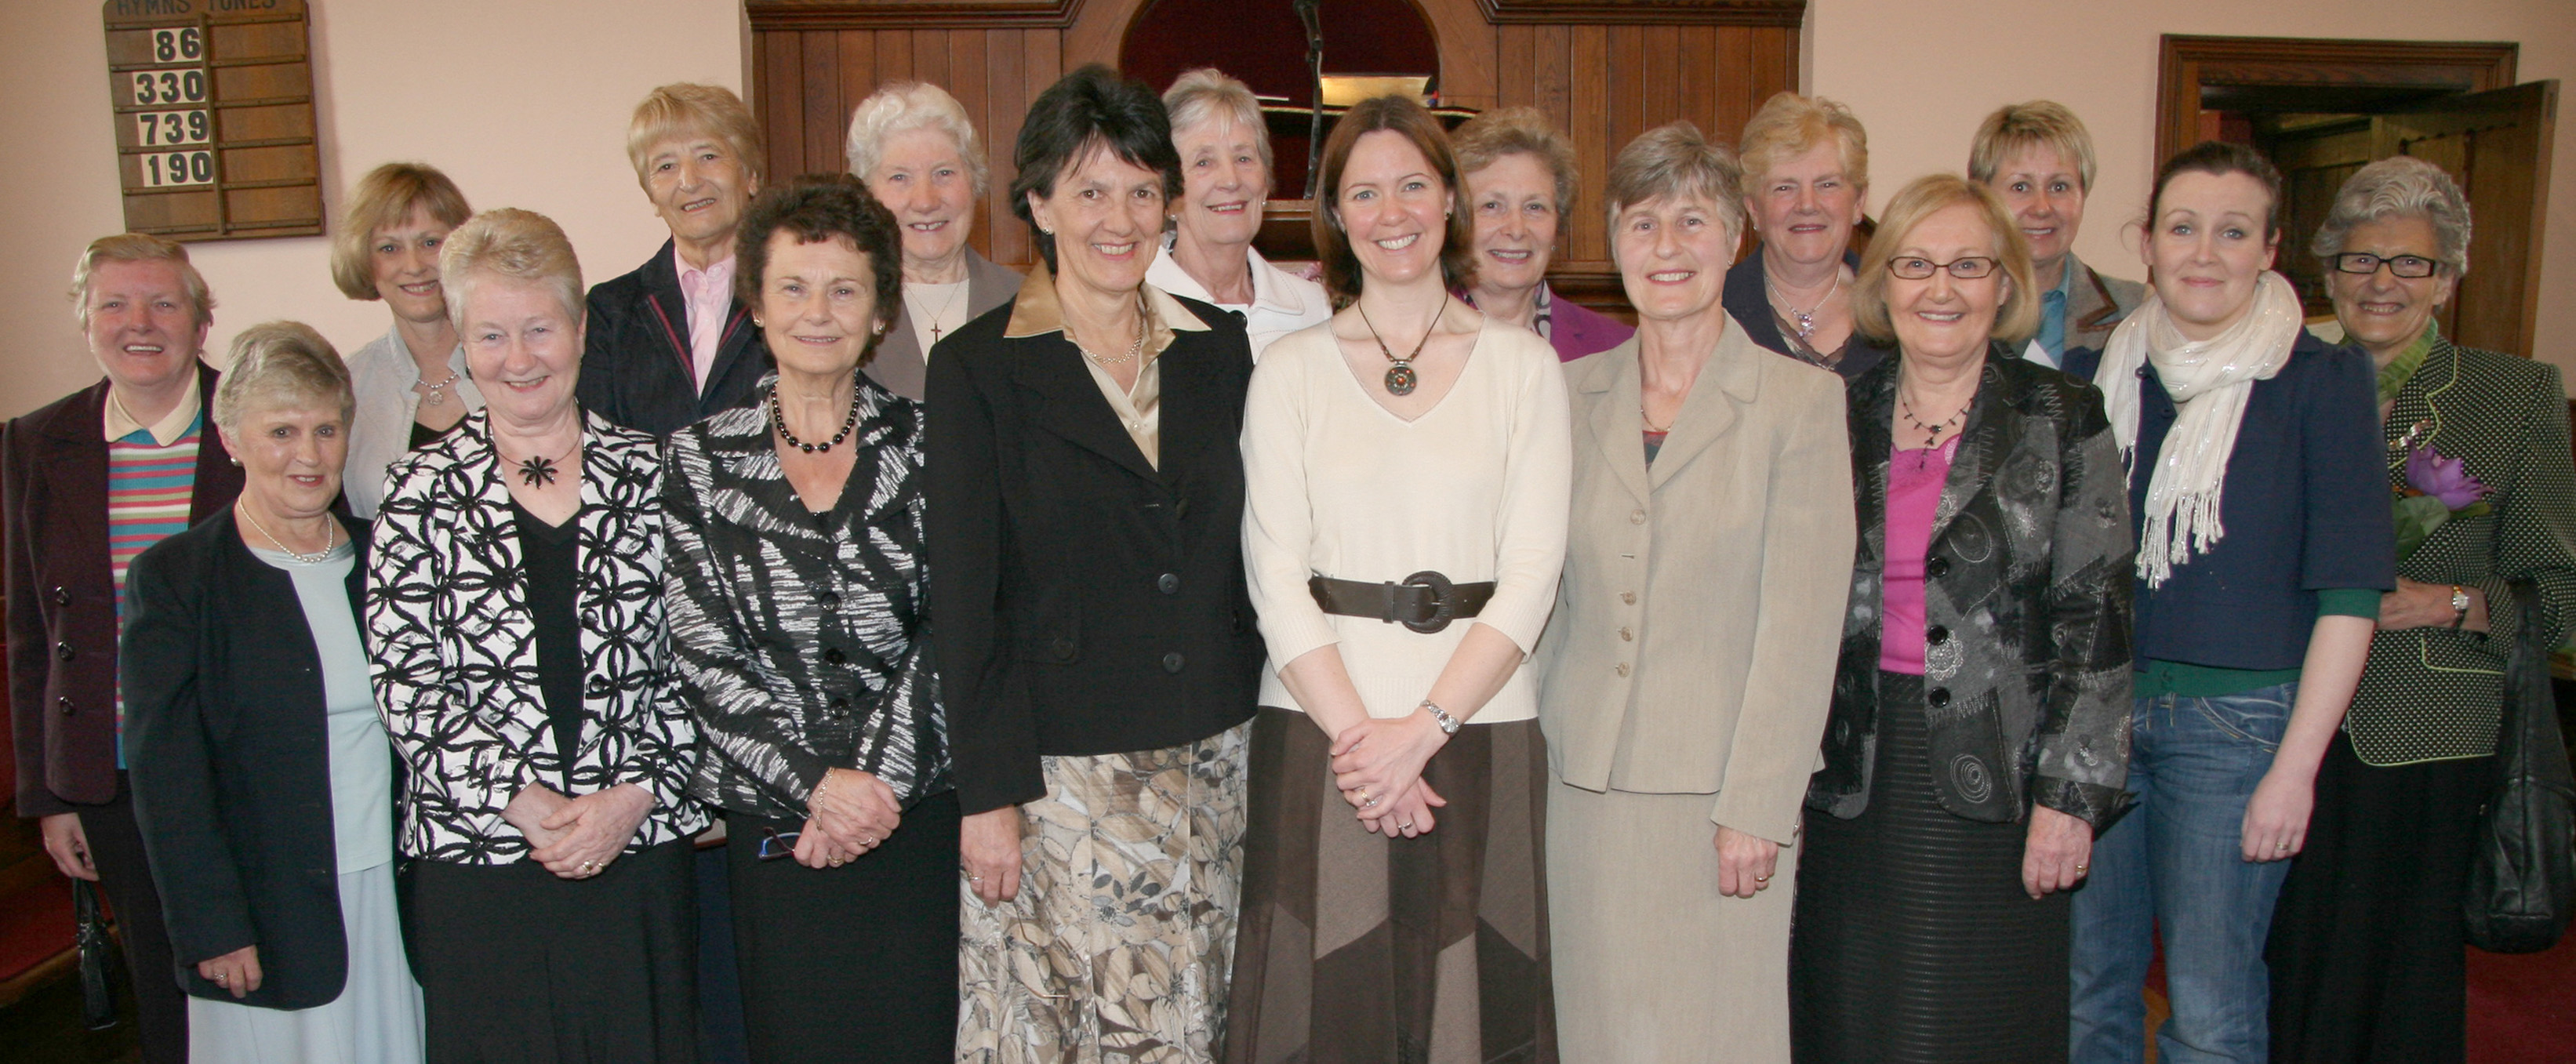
<point>1690,660</point>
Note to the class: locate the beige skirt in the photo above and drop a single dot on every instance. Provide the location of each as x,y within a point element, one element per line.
<point>1653,965</point>
<point>1119,943</point>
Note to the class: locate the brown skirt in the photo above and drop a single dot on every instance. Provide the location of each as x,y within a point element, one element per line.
<point>1355,947</point>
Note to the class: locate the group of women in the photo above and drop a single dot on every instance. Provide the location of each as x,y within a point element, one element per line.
<point>1848,662</point>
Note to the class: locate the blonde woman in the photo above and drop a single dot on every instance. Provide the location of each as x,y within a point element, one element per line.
<point>1806,180</point>
<point>411,383</point>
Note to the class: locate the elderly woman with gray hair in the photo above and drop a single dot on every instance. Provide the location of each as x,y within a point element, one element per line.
<point>2365,951</point>
<point>1521,183</point>
<point>913,146</point>
<point>263,780</point>
<point>1691,654</point>
<point>1225,181</point>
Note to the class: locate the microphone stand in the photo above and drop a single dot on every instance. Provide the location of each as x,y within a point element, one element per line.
<point>1310,12</point>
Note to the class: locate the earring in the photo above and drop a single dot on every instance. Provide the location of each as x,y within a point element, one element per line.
<point>1044,231</point>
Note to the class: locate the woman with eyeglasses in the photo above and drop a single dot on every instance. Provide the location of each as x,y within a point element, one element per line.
<point>2366,952</point>
<point>1978,733</point>
<point>800,633</point>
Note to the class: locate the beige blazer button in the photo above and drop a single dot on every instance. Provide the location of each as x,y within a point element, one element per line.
<point>1629,597</point>
<point>1626,636</point>
<point>1622,669</point>
<point>1636,517</point>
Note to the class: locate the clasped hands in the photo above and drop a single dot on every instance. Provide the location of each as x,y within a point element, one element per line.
<point>577,838</point>
<point>1377,764</point>
<point>848,814</point>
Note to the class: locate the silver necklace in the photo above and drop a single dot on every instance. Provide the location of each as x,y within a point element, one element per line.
<point>1106,361</point>
<point>436,394</point>
<point>1806,318</point>
<point>330,539</point>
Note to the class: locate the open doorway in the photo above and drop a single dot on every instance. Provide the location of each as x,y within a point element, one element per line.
<point>2321,109</point>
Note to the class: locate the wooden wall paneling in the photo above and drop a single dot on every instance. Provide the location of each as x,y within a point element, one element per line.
<point>1589,97</point>
<point>1628,106</point>
<point>1775,69</point>
<point>779,85</point>
<point>1739,72</point>
<point>894,56</point>
<point>822,108</point>
<point>1467,52</point>
<point>858,77</point>
<point>998,234</point>
<point>1516,49</point>
<point>1696,75</point>
<point>930,55</point>
<point>1555,73</point>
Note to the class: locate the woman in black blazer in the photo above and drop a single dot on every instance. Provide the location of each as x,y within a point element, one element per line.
<point>1098,660</point>
<point>263,780</point>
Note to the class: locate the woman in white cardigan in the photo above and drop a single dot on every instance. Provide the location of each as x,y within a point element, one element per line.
<point>1406,467</point>
<point>411,382</point>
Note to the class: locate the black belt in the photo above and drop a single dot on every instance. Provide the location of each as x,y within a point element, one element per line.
<point>1425,602</point>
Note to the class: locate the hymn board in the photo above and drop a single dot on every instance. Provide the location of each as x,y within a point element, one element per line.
<point>214,117</point>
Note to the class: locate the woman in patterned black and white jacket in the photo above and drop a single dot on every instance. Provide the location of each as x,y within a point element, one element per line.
<point>800,633</point>
<point>520,656</point>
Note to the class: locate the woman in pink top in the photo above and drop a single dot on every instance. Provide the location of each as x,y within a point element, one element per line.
<point>1978,736</point>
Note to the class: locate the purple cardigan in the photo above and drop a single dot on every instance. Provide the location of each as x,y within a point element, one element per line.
<point>1577,330</point>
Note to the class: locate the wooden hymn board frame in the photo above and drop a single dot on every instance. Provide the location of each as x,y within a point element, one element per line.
<point>214,117</point>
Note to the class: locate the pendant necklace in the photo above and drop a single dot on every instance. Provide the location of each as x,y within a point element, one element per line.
<point>1400,377</point>
<point>537,470</point>
<point>778,420</point>
<point>960,290</point>
<point>330,540</point>
<point>1806,318</point>
<point>436,394</point>
<point>1907,408</point>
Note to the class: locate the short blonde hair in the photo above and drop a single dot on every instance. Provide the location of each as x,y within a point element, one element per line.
<point>2015,321</point>
<point>281,363</point>
<point>1519,130</point>
<point>513,244</point>
<point>1675,160</point>
<point>1790,125</point>
<point>684,108</point>
<point>2021,126</point>
<point>138,247</point>
<point>904,106</point>
<point>1202,94</point>
<point>386,197</point>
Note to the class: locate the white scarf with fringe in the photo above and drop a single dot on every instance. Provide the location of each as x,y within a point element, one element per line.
<point>2210,381</point>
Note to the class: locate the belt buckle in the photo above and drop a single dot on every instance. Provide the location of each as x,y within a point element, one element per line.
<point>1444,604</point>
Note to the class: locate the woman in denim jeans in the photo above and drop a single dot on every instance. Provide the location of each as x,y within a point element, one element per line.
<point>2251,634</point>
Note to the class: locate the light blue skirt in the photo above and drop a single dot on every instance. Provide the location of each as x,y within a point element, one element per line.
<point>375,1020</point>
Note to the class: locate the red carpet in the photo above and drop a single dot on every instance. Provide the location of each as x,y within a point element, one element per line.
<point>2522,1006</point>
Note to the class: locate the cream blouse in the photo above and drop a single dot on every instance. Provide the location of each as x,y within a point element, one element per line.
<point>1476,489</point>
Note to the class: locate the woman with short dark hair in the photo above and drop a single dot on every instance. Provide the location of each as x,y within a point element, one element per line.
<point>1097,655</point>
<point>801,640</point>
<point>1405,525</point>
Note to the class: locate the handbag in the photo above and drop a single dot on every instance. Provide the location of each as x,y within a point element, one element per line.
<point>100,960</point>
<point>2522,883</point>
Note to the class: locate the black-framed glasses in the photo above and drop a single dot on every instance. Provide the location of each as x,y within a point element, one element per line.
<point>1916,268</point>
<point>2365,264</point>
<point>775,844</point>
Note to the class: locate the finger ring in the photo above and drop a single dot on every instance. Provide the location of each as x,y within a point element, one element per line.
<point>974,879</point>
<point>836,862</point>
<point>2079,869</point>
<point>1406,826</point>
<point>223,980</point>
<point>2282,848</point>
<point>1761,879</point>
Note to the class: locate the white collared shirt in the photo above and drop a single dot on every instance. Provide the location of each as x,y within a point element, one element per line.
<point>1282,302</point>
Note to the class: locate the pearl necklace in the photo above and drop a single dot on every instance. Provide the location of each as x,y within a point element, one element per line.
<point>330,539</point>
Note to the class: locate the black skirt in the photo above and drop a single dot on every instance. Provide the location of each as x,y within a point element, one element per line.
<point>2369,960</point>
<point>1913,940</point>
<point>516,964</point>
<point>856,963</point>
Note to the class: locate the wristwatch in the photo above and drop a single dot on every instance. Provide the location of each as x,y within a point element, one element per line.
<point>2459,606</point>
<point>1449,725</point>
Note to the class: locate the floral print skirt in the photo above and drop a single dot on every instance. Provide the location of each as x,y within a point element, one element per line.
<point>1118,946</point>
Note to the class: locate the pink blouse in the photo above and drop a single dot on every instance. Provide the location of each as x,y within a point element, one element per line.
<point>1914,481</point>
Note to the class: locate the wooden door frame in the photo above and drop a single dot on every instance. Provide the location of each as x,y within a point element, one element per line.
<point>2187,63</point>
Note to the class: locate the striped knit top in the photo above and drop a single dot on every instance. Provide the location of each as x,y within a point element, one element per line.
<point>151,475</point>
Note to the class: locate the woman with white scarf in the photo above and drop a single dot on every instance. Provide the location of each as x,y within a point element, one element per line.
<point>2264,545</point>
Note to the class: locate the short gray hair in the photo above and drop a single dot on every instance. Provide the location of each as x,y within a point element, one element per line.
<point>1199,95</point>
<point>904,106</point>
<point>1676,159</point>
<point>2398,186</point>
<point>281,363</point>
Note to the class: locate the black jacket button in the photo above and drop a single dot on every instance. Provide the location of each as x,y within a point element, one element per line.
<point>1063,647</point>
<point>833,656</point>
<point>62,597</point>
<point>1168,583</point>
<point>1172,662</point>
<point>1938,696</point>
<point>1936,568</point>
<point>1936,634</point>
<point>66,705</point>
<point>830,600</point>
<point>63,651</point>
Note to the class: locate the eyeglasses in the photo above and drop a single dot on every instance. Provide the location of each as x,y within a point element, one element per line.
<point>1967,269</point>
<point>775,844</point>
<point>2365,264</point>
